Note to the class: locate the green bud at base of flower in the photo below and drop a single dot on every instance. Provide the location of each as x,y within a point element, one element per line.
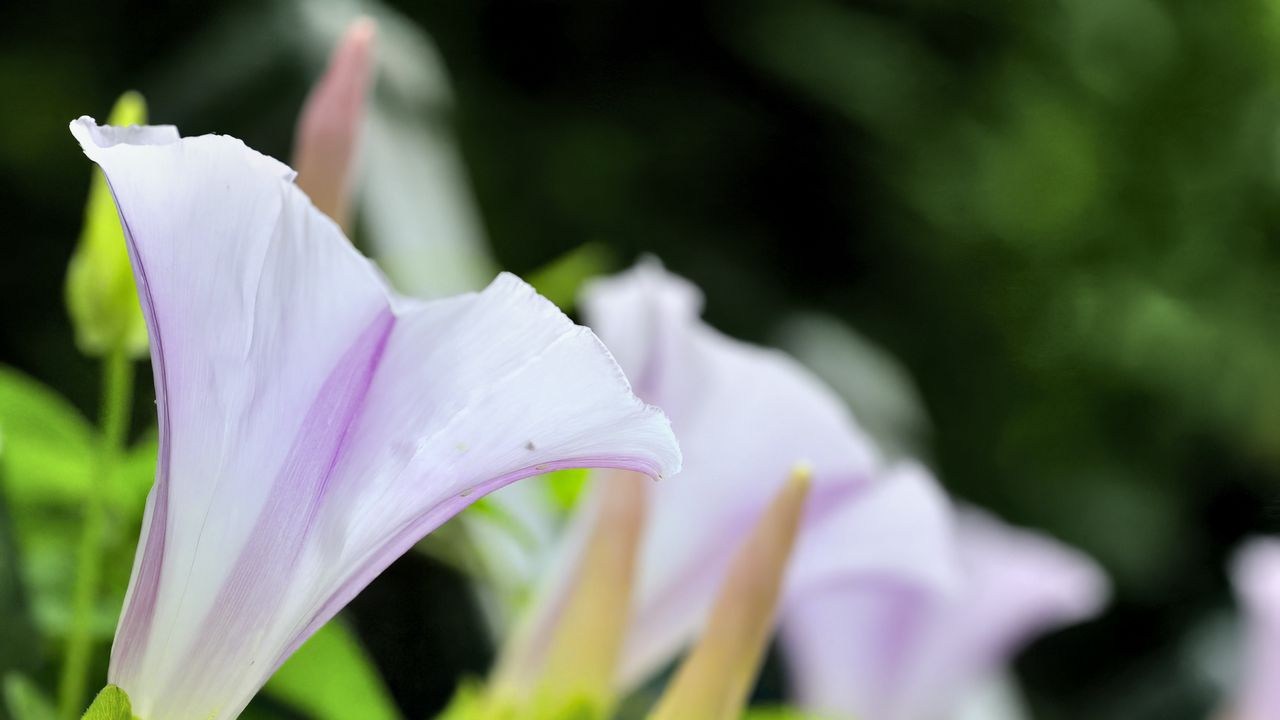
<point>112,703</point>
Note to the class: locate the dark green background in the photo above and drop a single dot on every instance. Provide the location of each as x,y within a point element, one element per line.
<point>1060,216</point>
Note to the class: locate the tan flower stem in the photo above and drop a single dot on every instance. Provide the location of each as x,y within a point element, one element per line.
<point>714,681</point>
<point>583,654</point>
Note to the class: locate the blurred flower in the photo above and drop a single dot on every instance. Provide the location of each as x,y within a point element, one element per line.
<point>884,651</point>
<point>417,215</point>
<point>1257,581</point>
<point>101,298</point>
<point>329,126</point>
<point>410,188</point>
<point>876,386</point>
<point>746,416</point>
<point>313,424</point>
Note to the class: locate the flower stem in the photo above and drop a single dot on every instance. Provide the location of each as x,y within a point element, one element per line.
<point>117,401</point>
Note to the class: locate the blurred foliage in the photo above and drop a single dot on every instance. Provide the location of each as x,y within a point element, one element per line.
<point>331,678</point>
<point>24,700</point>
<point>472,703</point>
<point>47,461</point>
<point>566,487</point>
<point>1060,217</point>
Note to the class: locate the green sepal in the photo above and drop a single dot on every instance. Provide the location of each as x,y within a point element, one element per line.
<point>100,292</point>
<point>112,703</point>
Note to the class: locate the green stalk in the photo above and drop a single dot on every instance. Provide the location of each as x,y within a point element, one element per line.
<point>117,402</point>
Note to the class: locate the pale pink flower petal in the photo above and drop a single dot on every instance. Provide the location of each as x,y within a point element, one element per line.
<point>746,417</point>
<point>891,651</point>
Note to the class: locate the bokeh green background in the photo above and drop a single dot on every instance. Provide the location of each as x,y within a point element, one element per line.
<point>1060,217</point>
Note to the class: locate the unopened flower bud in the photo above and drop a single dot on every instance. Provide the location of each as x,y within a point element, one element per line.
<point>100,292</point>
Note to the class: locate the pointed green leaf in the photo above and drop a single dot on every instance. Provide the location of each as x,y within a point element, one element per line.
<point>331,678</point>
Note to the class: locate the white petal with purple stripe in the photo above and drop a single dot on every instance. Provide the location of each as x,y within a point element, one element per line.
<point>313,425</point>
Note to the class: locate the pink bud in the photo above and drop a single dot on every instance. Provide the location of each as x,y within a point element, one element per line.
<point>329,125</point>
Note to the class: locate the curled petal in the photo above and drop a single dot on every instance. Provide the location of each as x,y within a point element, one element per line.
<point>903,527</point>
<point>313,426</point>
<point>875,560</point>
<point>884,649</point>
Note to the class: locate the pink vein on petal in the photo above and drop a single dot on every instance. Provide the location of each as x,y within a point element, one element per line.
<point>255,586</point>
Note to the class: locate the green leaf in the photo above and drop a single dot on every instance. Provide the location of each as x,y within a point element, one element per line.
<point>470,703</point>
<point>28,406</point>
<point>25,700</point>
<point>473,702</point>
<point>47,455</point>
<point>111,704</point>
<point>45,460</point>
<point>101,297</point>
<point>48,445</point>
<point>331,678</point>
<point>560,280</point>
<point>133,477</point>
<point>566,486</point>
<point>48,552</point>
